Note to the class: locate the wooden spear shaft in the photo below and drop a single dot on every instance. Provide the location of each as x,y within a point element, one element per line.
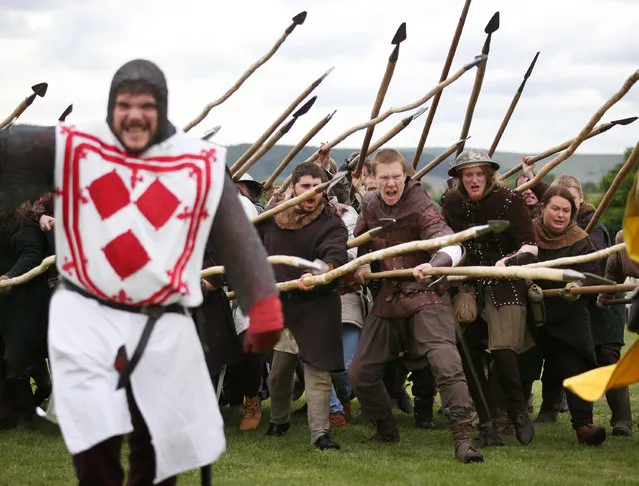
<point>563,146</point>
<point>437,160</point>
<point>297,20</point>
<point>590,257</point>
<point>400,109</point>
<point>295,150</point>
<point>592,289</point>
<point>552,274</point>
<point>291,261</point>
<point>628,167</point>
<point>445,70</point>
<point>583,134</point>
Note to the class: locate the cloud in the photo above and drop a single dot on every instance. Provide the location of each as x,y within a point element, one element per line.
<point>587,51</point>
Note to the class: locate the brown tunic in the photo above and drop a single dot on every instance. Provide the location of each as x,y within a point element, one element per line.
<point>417,219</point>
<point>500,203</point>
<point>314,317</point>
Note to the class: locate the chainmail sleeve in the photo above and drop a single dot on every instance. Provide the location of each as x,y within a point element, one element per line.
<point>27,159</point>
<point>238,247</point>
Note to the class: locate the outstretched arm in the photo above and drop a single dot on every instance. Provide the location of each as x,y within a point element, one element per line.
<point>27,159</point>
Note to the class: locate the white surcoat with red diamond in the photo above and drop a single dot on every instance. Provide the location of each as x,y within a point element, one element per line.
<point>133,230</point>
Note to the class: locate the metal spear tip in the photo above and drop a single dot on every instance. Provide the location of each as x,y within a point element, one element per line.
<point>30,99</point>
<point>66,113</point>
<point>493,24</point>
<point>212,132</point>
<point>400,35</point>
<point>317,82</point>
<point>406,121</point>
<point>532,65</point>
<point>40,89</point>
<point>287,126</point>
<point>394,55</point>
<point>593,277</point>
<point>478,60</point>
<point>305,107</point>
<point>336,178</point>
<point>573,275</point>
<point>461,141</point>
<point>498,225</point>
<point>386,222</point>
<point>318,267</point>
<point>330,115</point>
<point>624,121</point>
<point>297,20</point>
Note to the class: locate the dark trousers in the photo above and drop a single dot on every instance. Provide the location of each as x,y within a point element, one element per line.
<point>243,379</point>
<point>564,361</point>
<point>100,465</point>
<point>427,338</point>
<point>618,398</point>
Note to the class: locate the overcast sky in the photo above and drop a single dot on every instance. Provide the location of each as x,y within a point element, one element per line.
<point>588,49</point>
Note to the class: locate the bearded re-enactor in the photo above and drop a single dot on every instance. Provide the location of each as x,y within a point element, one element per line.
<point>136,200</point>
<point>409,318</point>
<point>312,315</point>
<point>475,199</point>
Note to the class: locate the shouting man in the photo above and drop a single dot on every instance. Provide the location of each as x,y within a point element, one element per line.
<point>409,318</point>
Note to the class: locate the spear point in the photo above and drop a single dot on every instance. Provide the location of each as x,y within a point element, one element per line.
<point>478,60</point>
<point>210,133</point>
<point>528,73</point>
<point>30,99</point>
<point>400,35</point>
<point>573,275</point>
<point>297,20</point>
<point>493,24</point>
<point>624,121</point>
<point>40,89</point>
<point>330,115</point>
<point>317,82</point>
<point>497,225</point>
<point>288,126</point>
<point>305,107</point>
<point>66,113</point>
<point>406,121</point>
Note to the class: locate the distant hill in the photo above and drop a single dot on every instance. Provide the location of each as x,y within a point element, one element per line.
<point>586,167</point>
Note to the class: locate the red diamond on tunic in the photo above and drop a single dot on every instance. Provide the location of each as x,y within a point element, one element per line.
<point>109,194</point>
<point>157,204</point>
<point>126,254</point>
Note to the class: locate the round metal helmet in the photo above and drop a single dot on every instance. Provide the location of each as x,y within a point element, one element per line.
<point>255,187</point>
<point>471,158</point>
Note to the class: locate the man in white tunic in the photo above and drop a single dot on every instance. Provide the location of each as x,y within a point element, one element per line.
<point>136,202</point>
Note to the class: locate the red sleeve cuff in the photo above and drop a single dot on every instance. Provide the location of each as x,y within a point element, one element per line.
<point>266,315</point>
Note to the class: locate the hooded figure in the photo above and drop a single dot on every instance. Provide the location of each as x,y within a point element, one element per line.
<point>137,202</point>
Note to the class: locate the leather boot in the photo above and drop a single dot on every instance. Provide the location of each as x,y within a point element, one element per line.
<point>488,436</point>
<point>461,427</point>
<point>524,429</point>
<point>590,435</point>
<point>252,414</point>
<point>387,431</point>
<point>404,402</point>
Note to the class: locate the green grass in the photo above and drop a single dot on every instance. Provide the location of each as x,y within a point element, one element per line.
<point>39,457</point>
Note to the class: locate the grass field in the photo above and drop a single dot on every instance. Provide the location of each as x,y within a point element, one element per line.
<point>39,458</point>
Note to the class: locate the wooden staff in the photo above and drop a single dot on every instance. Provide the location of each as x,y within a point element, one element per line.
<point>388,135</point>
<point>30,275</point>
<point>65,113</point>
<point>582,134</point>
<point>211,133</point>
<point>610,302</point>
<point>295,150</point>
<point>511,108</point>
<point>273,140</point>
<point>628,167</point>
<point>391,111</point>
<point>492,26</point>
<point>291,261</point>
<point>371,234</point>
<point>297,20</point>
<point>592,289</point>
<point>419,245</point>
<point>437,160</point>
<point>325,186</point>
<point>398,38</point>
<point>552,274</point>
<point>604,127</point>
<point>269,131</point>
<point>590,257</point>
<point>445,70</point>
<point>39,89</point>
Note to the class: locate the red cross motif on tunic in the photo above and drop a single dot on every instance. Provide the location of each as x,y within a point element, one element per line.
<point>110,195</point>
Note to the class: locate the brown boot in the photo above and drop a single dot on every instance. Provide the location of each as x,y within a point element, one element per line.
<point>590,435</point>
<point>252,414</point>
<point>337,421</point>
<point>462,426</point>
<point>387,431</point>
